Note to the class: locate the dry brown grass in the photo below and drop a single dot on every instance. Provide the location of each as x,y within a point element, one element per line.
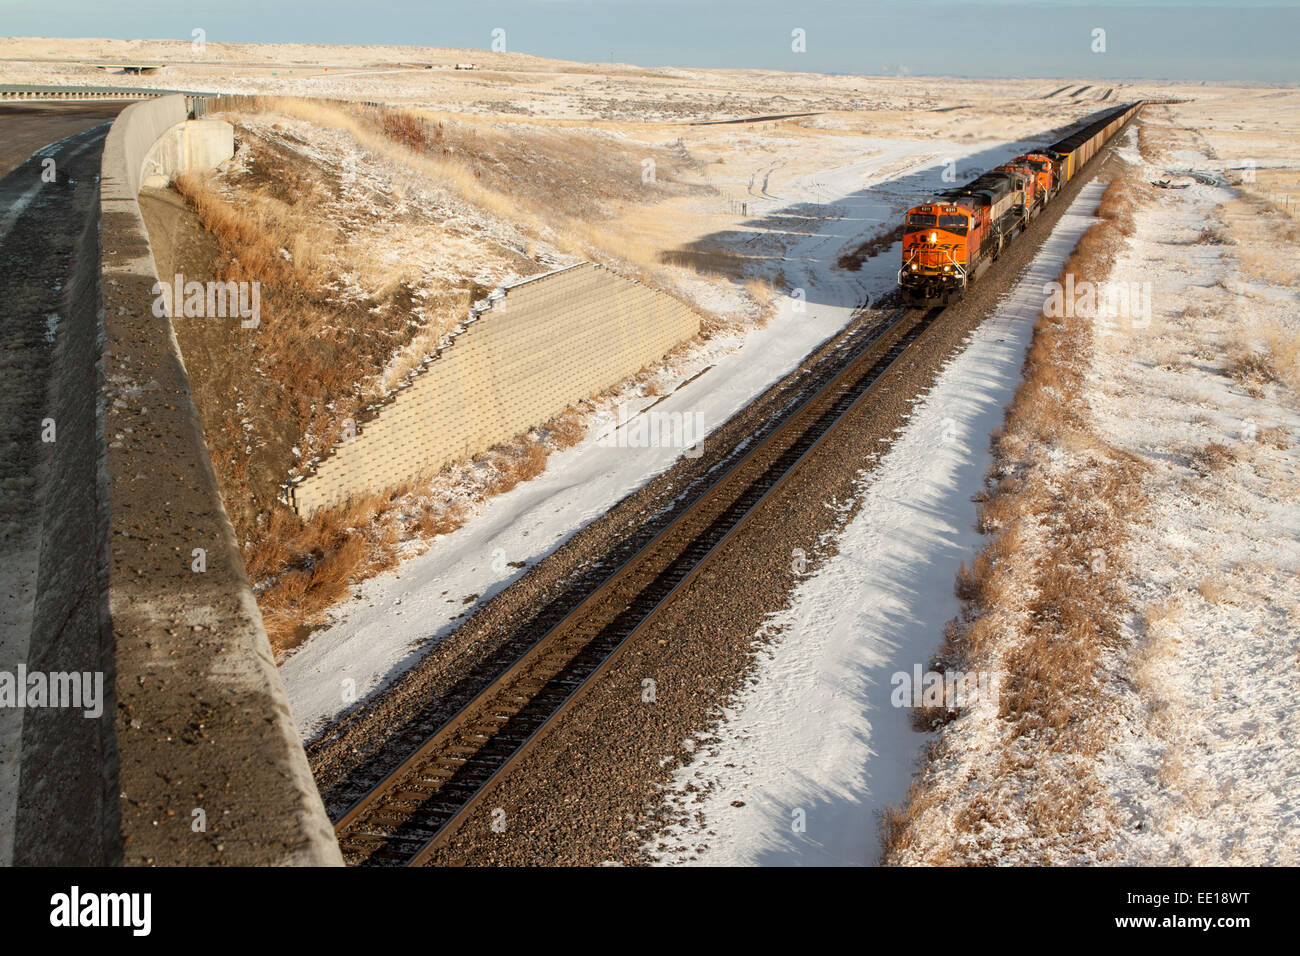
<point>1044,615</point>
<point>1214,234</point>
<point>1215,456</point>
<point>564,183</point>
<point>1277,191</point>
<point>314,364</point>
<point>1213,591</point>
<point>305,566</point>
<point>256,237</point>
<point>709,257</point>
<point>1276,436</point>
<point>1283,348</point>
<point>1266,240</point>
<point>409,130</point>
<point>1266,263</point>
<point>1250,368</point>
<point>514,464</point>
<point>567,429</point>
<point>293,380</point>
<point>1154,142</point>
<point>291,384</point>
<point>764,295</point>
<point>1161,615</point>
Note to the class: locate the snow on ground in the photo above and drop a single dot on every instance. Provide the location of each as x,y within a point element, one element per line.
<point>816,731</point>
<point>1196,755</point>
<point>508,83</point>
<point>377,636</point>
<point>1208,774</point>
<point>391,216</point>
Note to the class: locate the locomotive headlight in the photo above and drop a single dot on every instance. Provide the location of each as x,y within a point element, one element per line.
<point>947,268</point>
<point>934,237</point>
<point>913,266</point>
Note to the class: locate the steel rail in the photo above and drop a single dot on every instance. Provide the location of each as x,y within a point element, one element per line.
<point>416,807</point>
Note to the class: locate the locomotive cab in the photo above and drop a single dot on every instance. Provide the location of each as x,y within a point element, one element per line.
<point>1024,180</point>
<point>950,240</point>
<point>1061,168</point>
<point>936,261</point>
<point>1045,170</point>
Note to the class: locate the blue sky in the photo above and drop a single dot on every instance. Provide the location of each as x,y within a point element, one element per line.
<point>1190,40</point>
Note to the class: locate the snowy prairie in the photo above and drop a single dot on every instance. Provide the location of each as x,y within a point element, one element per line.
<point>1175,742</point>
<point>375,637</point>
<point>1209,775</point>
<point>768,180</point>
<point>815,748</point>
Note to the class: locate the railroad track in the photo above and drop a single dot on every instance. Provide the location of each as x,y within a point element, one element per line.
<point>417,807</point>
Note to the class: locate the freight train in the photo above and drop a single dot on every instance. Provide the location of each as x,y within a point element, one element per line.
<point>949,240</point>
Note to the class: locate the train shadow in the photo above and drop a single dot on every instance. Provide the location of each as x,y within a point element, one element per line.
<point>849,230</point>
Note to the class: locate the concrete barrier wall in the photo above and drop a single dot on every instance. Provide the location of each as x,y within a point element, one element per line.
<point>549,342</point>
<point>203,728</point>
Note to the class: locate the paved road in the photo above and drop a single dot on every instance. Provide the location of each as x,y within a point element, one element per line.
<point>44,208</point>
<point>31,126</point>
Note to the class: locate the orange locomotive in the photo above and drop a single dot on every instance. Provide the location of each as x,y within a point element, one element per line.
<point>1027,182</point>
<point>941,247</point>
<point>950,240</point>
<point>1047,169</point>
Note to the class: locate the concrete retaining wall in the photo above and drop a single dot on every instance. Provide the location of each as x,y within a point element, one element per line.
<point>194,144</point>
<point>203,727</point>
<point>549,342</point>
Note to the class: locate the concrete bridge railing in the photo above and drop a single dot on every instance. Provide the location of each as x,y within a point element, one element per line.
<point>208,763</point>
